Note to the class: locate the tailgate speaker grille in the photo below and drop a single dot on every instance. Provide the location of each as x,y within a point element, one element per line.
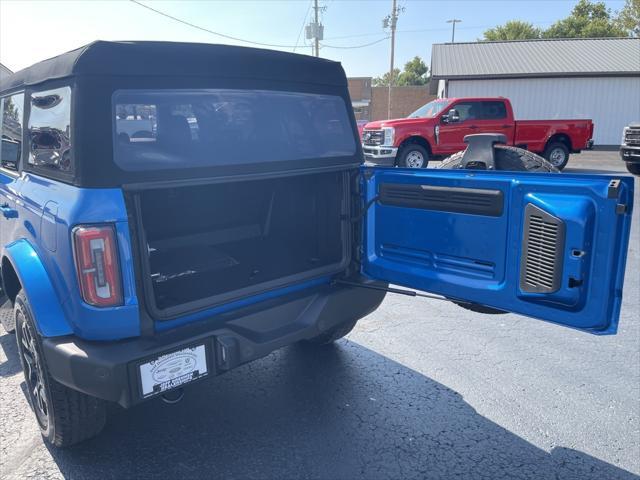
<point>542,251</point>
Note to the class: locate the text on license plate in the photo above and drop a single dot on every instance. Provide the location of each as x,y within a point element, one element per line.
<point>173,369</point>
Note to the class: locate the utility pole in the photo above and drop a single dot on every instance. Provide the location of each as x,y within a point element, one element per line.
<point>453,32</point>
<point>391,21</point>
<point>317,40</point>
<point>315,30</point>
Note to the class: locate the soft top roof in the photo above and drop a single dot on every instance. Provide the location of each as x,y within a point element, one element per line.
<point>102,59</point>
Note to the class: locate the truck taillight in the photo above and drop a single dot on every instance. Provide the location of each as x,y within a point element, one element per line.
<point>96,254</point>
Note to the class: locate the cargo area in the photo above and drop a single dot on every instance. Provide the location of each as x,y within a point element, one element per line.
<point>207,244</point>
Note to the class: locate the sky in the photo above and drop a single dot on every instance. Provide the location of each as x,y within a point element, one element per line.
<point>31,31</point>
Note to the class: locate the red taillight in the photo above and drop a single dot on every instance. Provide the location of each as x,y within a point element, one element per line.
<point>98,266</point>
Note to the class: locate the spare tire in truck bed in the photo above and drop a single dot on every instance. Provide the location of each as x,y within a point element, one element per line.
<point>506,158</point>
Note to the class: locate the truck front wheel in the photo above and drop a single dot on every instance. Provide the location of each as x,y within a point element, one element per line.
<point>65,416</point>
<point>633,168</point>
<point>413,155</point>
<point>557,154</point>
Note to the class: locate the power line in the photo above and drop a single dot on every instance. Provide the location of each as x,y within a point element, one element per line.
<point>436,29</point>
<point>198,27</point>
<point>302,27</point>
<point>355,46</point>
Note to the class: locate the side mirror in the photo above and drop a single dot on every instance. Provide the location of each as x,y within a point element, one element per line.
<point>453,116</point>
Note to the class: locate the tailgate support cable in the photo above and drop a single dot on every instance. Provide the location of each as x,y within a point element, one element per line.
<point>399,291</point>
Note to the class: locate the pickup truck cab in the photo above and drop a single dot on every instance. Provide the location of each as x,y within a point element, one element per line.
<point>214,206</point>
<point>438,129</point>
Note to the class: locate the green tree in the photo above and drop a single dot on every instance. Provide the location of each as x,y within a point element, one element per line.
<point>383,81</point>
<point>629,17</point>
<point>415,72</point>
<point>587,20</point>
<point>10,110</point>
<point>513,30</point>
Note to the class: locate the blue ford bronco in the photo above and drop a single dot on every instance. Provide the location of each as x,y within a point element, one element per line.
<point>171,211</point>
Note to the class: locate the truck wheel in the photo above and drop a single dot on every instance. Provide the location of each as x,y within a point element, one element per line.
<point>510,159</point>
<point>507,158</point>
<point>557,154</point>
<point>633,168</point>
<point>65,416</point>
<point>413,155</point>
<point>333,334</point>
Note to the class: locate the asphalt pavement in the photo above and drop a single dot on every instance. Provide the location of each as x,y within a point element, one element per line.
<point>420,389</point>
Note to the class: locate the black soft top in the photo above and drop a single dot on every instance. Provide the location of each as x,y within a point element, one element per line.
<point>102,58</point>
<point>100,69</point>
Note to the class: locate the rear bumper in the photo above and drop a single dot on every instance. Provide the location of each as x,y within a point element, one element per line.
<point>380,155</point>
<point>630,154</point>
<point>109,370</point>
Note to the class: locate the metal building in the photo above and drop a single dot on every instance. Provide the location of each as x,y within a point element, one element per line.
<point>4,71</point>
<point>549,79</point>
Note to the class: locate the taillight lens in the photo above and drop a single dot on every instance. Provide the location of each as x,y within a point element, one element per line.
<point>98,267</point>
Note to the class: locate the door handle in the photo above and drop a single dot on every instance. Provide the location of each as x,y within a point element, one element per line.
<point>8,212</point>
<point>507,126</point>
<point>473,127</point>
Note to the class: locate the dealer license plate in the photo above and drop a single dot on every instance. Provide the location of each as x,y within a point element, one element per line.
<point>173,369</point>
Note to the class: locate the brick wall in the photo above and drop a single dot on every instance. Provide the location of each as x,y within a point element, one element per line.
<point>359,88</point>
<point>404,100</point>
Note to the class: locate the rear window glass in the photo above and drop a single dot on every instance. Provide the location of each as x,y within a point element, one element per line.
<point>199,128</point>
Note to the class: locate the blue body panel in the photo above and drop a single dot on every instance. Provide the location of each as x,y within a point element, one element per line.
<point>476,257</point>
<point>37,286</point>
<point>47,212</point>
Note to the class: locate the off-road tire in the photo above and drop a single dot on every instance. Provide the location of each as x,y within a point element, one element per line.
<point>510,159</point>
<point>507,158</point>
<point>633,168</point>
<point>72,416</point>
<point>333,334</point>
<point>407,150</point>
<point>548,151</point>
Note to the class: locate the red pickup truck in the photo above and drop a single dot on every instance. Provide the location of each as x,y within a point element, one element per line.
<point>438,129</point>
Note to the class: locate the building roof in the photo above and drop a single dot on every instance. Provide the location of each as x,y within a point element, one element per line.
<point>103,59</point>
<point>537,58</point>
<point>4,72</point>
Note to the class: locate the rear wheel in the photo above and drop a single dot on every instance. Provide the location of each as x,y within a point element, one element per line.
<point>333,334</point>
<point>509,159</point>
<point>633,168</point>
<point>413,155</point>
<point>557,154</point>
<point>65,416</point>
